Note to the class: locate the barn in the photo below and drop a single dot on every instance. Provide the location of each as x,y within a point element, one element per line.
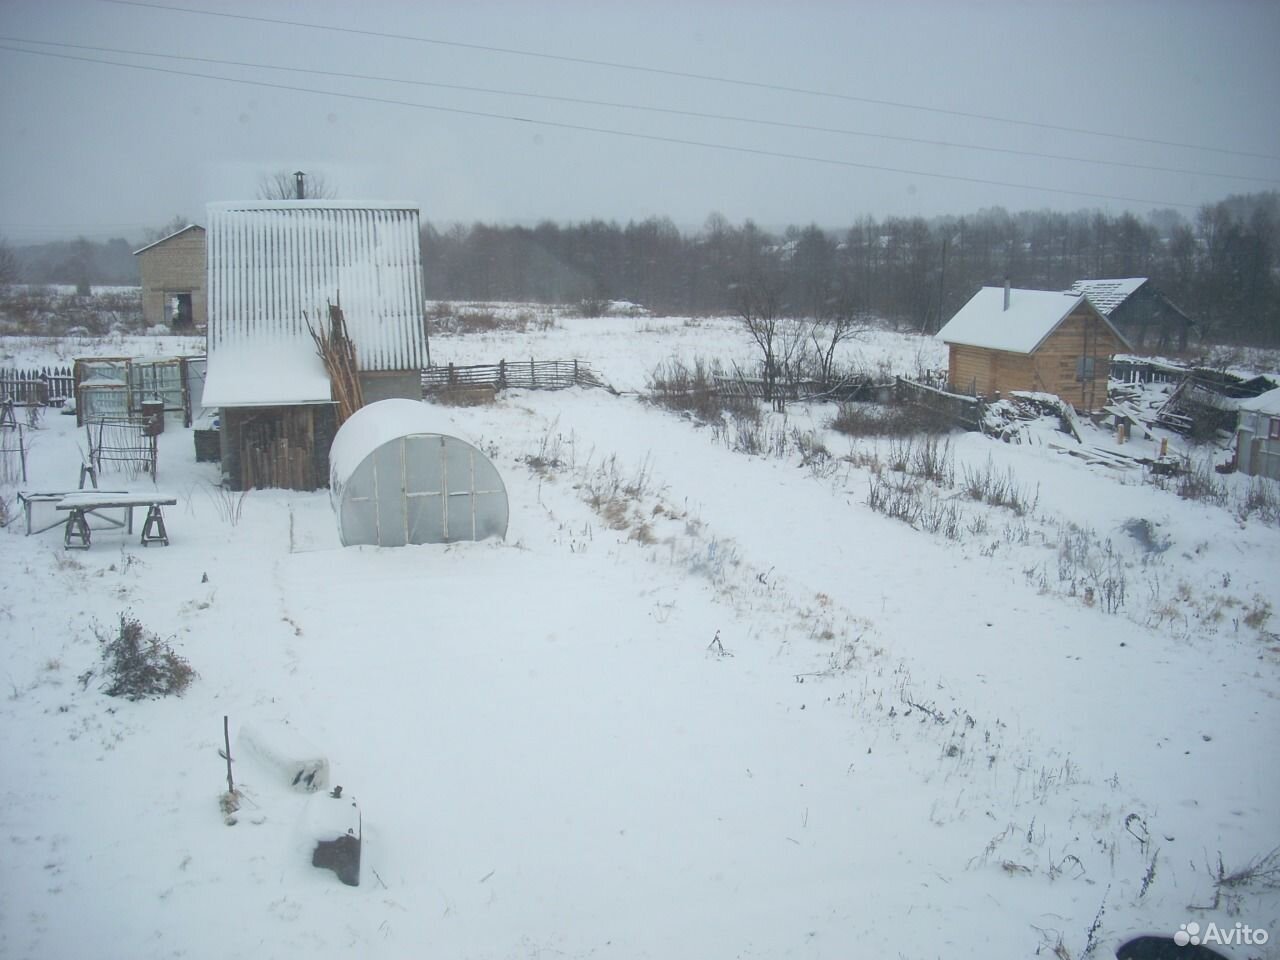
<point>1137,308</point>
<point>173,280</point>
<point>276,271</point>
<point>1044,341</point>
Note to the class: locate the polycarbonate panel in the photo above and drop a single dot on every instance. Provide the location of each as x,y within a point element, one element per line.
<point>490,515</point>
<point>426,518</point>
<point>388,493</point>
<point>359,521</point>
<point>422,464</point>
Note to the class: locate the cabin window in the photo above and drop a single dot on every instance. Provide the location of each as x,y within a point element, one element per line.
<point>1274,434</point>
<point>1084,368</point>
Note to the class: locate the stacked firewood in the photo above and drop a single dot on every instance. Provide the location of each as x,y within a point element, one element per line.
<point>339,355</point>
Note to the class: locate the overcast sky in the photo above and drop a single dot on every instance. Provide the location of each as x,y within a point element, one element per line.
<point>107,150</point>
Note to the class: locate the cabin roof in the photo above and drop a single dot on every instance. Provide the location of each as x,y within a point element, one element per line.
<point>1032,315</point>
<point>1106,295</point>
<point>274,267</point>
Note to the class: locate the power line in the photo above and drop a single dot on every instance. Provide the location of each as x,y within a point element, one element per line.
<point>583,128</point>
<point>686,75</point>
<point>787,125</point>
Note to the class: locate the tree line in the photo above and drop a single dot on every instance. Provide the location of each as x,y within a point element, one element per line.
<point>1221,267</point>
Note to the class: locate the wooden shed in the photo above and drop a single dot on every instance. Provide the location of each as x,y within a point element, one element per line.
<point>173,280</point>
<point>1036,340</point>
<point>1137,308</point>
<point>275,267</point>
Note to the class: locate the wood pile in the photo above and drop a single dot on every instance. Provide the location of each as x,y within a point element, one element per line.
<point>335,348</point>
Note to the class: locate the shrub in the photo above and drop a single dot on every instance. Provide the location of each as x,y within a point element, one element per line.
<point>140,665</point>
<point>1260,498</point>
<point>692,390</point>
<point>895,420</point>
<point>462,319</point>
<point>1000,490</point>
<point>1199,482</point>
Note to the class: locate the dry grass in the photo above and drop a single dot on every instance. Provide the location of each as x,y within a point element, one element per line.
<point>896,420</point>
<point>477,396</point>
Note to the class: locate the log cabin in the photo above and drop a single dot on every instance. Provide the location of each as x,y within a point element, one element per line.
<point>1040,341</point>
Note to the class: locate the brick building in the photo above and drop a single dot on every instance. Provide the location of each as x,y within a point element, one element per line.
<point>173,280</point>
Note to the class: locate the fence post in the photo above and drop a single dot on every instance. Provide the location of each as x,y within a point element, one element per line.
<point>502,374</point>
<point>575,371</point>
<point>533,373</point>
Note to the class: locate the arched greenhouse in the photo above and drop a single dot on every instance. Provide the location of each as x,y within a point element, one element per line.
<point>393,481</point>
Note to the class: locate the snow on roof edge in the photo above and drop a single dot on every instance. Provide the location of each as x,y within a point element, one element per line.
<point>220,206</point>
<point>189,226</point>
<point>1267,403</point>
<point>1031,318</point>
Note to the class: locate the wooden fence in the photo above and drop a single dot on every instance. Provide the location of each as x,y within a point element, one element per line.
<point>43,387</point>
<point>126,443</point>
<point>795,391</point>
<point>13,448</point>
<point>1138,370</point>
<point>526,374</point>
<point>964,410</point>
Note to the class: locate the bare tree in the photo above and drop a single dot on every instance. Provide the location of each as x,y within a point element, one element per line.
<point>8,264</point>
<point>81,266</point>
<point>758,301</point>
<point>283,185</point>
<point>827,334</point>
<point>176,223</point>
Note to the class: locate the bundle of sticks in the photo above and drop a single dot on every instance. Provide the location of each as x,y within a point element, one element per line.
<point>339,355</point>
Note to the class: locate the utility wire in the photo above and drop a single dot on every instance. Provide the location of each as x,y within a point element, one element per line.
<point>583,128</point>
<point>685,75</point>
<point>782,124</point>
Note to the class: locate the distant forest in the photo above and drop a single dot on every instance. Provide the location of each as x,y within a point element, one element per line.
<point>1222,267</point>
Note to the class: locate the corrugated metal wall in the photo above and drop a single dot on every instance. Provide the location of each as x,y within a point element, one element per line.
<point>274,265</point>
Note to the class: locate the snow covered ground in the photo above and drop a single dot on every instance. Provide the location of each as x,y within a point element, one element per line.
<point>698,703</point>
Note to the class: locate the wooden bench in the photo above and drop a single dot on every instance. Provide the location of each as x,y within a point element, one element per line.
<point>78,504</point>
<point>29,500</point>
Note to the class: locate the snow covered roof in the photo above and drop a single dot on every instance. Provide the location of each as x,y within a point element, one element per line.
<point>1031,317</point>
<point>275,265</point>
<point>189,226</point>
<point>1106,295</point>
<point>270,373</point>
<point>373,425</point>
<point>1268,403</point>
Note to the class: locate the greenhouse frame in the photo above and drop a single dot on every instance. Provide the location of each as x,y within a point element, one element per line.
<point>394,480</point>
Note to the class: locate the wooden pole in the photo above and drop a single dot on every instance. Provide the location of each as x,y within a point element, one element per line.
<point>226,738</point>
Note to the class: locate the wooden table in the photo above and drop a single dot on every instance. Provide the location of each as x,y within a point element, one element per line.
<point>29,500</point>
<point>77,534</point>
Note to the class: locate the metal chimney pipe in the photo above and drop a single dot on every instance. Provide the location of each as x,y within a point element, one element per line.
<point>298,177</point>
<point>1006,293</point>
